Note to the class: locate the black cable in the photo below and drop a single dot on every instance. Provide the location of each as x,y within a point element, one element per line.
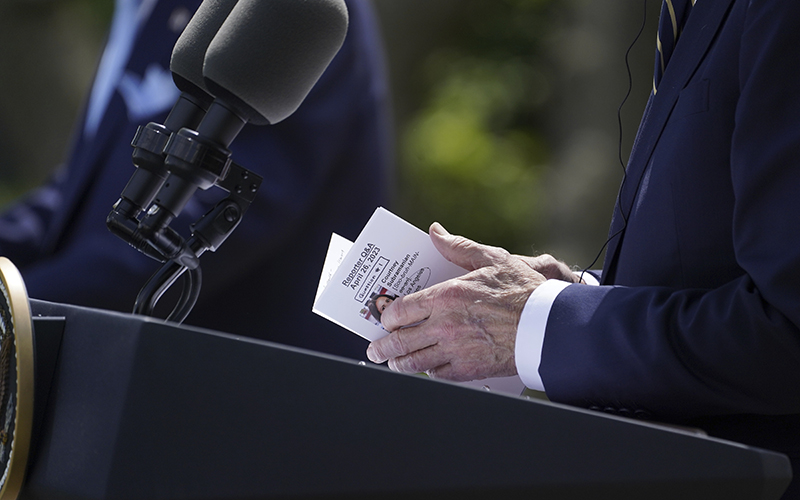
<point>619,145</point>
<point>192,282</point>
<point>624,100</point>
<point>161,281</point>
<point>155,287</point>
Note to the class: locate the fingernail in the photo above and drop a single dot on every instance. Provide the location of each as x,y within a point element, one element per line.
<point>439,229</point>
<point>372,355</point>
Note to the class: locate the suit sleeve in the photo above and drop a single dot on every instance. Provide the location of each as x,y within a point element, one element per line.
<point>734,348</point>
<point>24,225</point>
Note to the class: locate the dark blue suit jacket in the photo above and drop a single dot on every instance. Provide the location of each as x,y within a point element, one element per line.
<point>325,169</point>
<point>697,319</point>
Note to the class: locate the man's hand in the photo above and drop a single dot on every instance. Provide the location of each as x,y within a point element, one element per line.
<point>465,328</point>
<point>551,268</point>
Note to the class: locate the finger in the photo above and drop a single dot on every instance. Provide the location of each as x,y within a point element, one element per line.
<point>446,372</point>
<point>407,310</point>
<point>550,267</point>
<point>464,252</point>
<point>419,361</point>
<point>399,343</point>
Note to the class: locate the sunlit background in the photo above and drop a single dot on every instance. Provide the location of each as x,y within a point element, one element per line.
<point>505,110</point>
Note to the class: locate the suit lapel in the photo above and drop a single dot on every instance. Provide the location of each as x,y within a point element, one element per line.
<point>701,28</point>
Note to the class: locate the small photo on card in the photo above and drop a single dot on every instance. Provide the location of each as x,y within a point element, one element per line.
<point>378,300</point>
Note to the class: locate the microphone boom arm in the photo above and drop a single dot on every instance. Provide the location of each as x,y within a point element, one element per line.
<point>208,233</point>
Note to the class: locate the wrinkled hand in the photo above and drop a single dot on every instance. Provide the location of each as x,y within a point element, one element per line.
<point>470,323</point>
<point>550,268</point>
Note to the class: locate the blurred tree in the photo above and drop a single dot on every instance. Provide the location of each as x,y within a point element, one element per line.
<point>587,44</point>
<point>507,127</point>
<point>505,109</point>
<point>472,155</point>
<point>48,52</point>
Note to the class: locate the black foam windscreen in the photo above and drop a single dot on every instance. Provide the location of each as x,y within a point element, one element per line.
<point>190,49</point>
<point>268,54</point>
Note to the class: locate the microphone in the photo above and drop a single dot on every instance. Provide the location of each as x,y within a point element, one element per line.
<point>237,62</point>
<point>268,55</point>
<point>189,53</point>
<point>260,66</point>
<point>149,141</point>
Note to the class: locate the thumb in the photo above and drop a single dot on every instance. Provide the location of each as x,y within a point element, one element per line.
<point>464,252</point>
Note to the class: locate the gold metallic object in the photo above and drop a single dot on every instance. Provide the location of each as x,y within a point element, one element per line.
<point>16,380</point>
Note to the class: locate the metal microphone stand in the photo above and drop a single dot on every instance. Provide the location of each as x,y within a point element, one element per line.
<point>181,162</point>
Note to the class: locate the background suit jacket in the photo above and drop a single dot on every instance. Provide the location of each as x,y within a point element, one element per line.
<point>325,169</point>
<point>697,318</point>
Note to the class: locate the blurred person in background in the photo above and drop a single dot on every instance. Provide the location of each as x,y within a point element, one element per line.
<point>261,282</point>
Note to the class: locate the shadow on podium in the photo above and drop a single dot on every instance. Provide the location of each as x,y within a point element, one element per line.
<point>129,407</point>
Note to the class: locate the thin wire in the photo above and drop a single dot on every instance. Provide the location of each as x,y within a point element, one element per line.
<point>625,99</point>
<point>192,282</point>
<point>619,145</point>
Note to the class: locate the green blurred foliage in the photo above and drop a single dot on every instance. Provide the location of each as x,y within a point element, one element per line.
<point>97,12</point>
<point>48,52</point>
<point>473,155</point>
<point>505,122</point>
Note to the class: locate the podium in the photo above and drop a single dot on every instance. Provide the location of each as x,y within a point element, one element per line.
<point>129,407</point>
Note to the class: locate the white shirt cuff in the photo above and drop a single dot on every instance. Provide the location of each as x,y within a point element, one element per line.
<point>530,332</point>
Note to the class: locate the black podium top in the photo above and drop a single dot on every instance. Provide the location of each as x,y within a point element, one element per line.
<point>143,409</point>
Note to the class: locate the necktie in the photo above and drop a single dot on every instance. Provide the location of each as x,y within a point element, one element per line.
<point>670,25</point>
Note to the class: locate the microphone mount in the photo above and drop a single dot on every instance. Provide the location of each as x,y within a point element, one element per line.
<point>171,166</point>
